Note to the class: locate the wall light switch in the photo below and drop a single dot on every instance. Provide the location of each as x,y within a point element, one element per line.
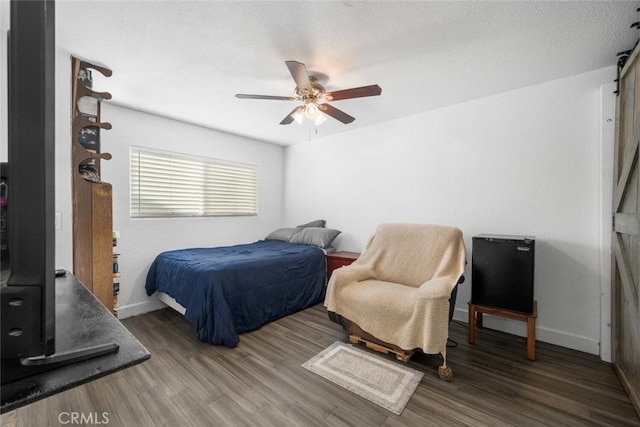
<point>58,220</point>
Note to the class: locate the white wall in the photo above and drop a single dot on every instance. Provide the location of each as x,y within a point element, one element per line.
<point>63,235</point>
<point>525,162</point>
<point>522,162</point>
<point>142,240</point>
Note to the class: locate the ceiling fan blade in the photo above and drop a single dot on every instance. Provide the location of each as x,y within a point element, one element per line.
<point>357,92</point>
<point>299,73</point>
<point>280,98</point>
<point>289,119</point>
<point>336,114</point>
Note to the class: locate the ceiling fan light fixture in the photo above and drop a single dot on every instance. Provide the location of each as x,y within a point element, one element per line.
<point>320,119</point>
<point>311,110</point>
<point>298,115</point>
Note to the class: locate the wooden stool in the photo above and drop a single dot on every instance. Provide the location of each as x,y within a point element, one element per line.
<point>475,318</point>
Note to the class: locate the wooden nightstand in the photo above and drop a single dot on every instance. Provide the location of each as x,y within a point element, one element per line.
<point>339,259</point>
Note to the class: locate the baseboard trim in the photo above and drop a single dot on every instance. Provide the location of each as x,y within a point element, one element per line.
<point>550,336</point>
<point>139,308</point>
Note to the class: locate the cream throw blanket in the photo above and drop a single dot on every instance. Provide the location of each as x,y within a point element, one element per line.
<point>399,288</point>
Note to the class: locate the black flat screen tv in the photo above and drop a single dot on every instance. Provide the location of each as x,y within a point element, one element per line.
<point>28,279</point>
<point>28,255</point>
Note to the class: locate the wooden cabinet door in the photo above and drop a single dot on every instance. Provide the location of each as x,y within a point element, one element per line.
<point>626,236</point>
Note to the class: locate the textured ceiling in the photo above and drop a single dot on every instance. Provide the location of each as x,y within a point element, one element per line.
<point>187,59</point>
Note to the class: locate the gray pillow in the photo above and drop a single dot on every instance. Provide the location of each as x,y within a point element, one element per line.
<point>316,223</point>
<point>316,236</point>
<point>284,234</point>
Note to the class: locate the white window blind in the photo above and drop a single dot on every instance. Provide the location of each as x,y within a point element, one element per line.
<point>167,184</point>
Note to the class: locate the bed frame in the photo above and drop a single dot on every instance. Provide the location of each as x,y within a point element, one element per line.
<point>171,302</point>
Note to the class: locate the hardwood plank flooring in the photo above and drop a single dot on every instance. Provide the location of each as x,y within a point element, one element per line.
<point>261,383</point>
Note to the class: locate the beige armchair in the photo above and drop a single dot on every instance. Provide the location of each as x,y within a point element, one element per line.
<point>395,296</point>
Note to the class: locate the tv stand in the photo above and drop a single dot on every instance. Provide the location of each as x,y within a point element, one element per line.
<point>90,343</point>
<point>30,366</point>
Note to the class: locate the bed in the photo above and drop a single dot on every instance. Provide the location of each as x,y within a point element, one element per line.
<point>226,291</point>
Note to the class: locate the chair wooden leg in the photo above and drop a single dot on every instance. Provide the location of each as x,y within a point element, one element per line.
<point>472,323</point>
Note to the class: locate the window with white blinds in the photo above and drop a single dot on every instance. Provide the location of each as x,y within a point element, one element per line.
<point>167,184</point>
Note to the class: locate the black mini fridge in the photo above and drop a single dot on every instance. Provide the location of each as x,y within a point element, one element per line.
<point>502,270</point>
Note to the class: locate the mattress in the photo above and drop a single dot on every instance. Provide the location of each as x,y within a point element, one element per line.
<point>228,290</point>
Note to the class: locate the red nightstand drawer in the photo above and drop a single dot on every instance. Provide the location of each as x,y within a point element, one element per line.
<point>339,259</point>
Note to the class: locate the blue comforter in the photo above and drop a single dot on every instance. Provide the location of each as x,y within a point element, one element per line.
<point>234,289</point>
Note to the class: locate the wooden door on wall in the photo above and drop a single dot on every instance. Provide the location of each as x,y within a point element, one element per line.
<point>626,236</point>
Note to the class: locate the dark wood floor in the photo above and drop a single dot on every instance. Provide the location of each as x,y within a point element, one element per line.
<point>261,383</point>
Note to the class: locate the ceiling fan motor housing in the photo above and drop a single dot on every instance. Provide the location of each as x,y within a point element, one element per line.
<point>317,92</point>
